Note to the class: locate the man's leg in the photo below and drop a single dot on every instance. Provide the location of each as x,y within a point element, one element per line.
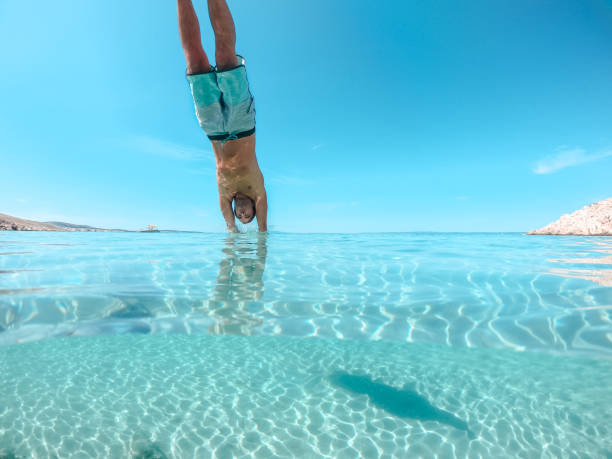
<point>189,30</point>
<point>225,34</point>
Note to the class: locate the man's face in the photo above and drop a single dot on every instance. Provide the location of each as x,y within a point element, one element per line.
<point>244,209</point>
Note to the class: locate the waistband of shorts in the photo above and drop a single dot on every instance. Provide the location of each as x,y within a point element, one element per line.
<point>224,137</point>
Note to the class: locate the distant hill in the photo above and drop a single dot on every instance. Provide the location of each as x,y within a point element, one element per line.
<point>592,220</point>
<point>69,225</point>
<point>72,227</point>
<point>9,223</point>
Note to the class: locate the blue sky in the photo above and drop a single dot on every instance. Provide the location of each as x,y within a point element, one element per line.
<point>384,116</point>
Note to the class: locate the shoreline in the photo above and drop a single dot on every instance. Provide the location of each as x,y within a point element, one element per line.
<point>10,223</point>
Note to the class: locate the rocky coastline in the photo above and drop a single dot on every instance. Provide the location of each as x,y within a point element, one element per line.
<point>591,220</point>
<point>10,223</point>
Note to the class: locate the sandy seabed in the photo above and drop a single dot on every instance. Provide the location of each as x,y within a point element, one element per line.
<point>197,396</point>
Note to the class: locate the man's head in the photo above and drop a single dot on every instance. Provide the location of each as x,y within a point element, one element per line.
<point>244,208</point>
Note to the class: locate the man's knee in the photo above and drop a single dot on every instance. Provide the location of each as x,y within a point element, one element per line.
<point>226,59</point>
<point>197,62</point>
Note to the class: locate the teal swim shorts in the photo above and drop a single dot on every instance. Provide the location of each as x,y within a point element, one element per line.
<point>223,102</point>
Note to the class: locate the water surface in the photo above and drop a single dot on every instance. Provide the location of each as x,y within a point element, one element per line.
<point>213,345</point>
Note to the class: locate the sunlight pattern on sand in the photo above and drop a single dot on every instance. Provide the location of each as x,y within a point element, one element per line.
<point>259,397</point>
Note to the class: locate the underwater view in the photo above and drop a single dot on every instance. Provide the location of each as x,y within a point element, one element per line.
<point>189,345</point>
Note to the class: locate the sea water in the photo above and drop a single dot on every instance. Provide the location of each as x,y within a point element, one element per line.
<point>305,345</point>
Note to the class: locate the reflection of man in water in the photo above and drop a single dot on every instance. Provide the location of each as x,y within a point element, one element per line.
<point>239,284</point>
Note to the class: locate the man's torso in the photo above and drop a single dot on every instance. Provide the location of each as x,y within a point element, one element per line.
<point>237,168</point>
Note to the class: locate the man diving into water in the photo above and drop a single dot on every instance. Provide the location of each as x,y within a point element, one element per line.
<point>226,111</point>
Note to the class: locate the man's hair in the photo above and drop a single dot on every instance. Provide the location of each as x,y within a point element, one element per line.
<point>234,206</point>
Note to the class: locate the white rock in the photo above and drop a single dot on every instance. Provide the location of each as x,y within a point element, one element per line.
<point>593,220</point>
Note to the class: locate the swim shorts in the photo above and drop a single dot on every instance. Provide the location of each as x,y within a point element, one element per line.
<point>223,102</point>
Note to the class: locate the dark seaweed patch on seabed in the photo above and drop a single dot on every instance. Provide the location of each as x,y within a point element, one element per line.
<point>131,311</point>
<point>402,403</point>
<point>151,451</point>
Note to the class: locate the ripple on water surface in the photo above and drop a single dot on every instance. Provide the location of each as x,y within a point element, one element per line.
<point>199,396</point>
<point>468,290</point>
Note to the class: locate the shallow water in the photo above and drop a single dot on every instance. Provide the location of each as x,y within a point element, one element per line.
<point>211,345</point>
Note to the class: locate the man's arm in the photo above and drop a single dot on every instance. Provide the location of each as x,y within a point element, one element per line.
<point>228,214</point>
<point>261,211</point>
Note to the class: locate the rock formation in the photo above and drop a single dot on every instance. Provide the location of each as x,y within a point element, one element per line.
<point>592,220</point>
<point>8,223</point>
<point>19,224</point>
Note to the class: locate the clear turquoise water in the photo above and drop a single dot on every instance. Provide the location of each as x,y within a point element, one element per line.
<point>212,345</point>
